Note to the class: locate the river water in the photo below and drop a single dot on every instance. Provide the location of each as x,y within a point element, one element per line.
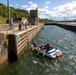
<point>30,63</point>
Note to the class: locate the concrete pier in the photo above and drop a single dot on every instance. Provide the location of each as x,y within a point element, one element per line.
<point>68,27</point>
<point>71,27</point>
<point>17,41</point>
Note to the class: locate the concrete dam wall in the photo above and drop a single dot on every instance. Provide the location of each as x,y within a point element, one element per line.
<point>66,26</point>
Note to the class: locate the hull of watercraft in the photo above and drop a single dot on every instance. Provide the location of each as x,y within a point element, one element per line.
<point>53,53</point>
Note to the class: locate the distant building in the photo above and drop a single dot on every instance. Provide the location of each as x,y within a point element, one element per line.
<point>34,13</point>
<point>17,20</point>
<point>34,17</point>
<point>23,20</point>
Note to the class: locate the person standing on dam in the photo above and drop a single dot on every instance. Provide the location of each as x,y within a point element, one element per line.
<point>26,24</point>
<point>20,26</point>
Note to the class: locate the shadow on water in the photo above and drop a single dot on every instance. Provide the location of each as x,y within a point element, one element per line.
<point>32,64</point>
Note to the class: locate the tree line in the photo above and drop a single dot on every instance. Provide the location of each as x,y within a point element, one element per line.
<point>16,13</point>
<point>45,20</point>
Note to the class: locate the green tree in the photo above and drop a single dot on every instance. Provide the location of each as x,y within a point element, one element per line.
<point>14,13</point>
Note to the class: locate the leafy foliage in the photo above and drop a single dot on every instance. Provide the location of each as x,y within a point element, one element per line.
<point>45,20</point>
<point>14,13</point>
<point>2,20</point>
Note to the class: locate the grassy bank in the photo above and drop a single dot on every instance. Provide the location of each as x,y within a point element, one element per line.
<point>2,20</point>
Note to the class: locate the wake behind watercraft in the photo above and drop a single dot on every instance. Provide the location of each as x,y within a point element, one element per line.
<point>52,53</point>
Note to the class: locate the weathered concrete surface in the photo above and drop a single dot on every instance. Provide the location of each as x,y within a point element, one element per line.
<point>15,28</point>
<point>30,29</point>
<point>71,27</point>
<point>3,58</point>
